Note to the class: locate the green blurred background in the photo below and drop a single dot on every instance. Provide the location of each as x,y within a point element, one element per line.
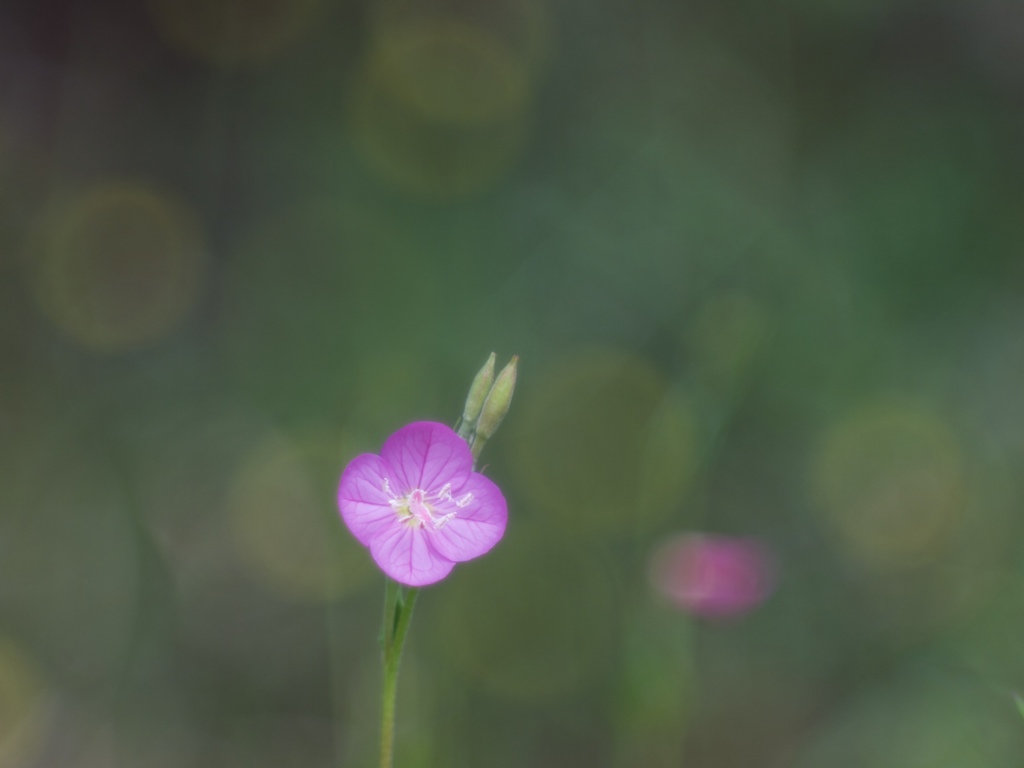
<point>761,262</point>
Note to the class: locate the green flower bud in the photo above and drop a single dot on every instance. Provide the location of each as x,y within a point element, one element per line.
<point>475,400</point>
<point>497,403</point>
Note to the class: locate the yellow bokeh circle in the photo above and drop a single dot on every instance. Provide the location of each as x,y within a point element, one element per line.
<point>439,109</point>
<point>524,25</point>
<point>604,444</point>
<point>890,483</point>
<point>532,620</point>
<point>287,529</point>
<point>118,266</point>
<point>450,72</point>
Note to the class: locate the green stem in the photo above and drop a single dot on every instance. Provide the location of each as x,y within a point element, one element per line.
<point>397,614</point>
<point>392,595</point>
<point>476,448</point>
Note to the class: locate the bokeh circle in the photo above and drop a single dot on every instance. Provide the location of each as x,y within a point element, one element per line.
<point>118,266</point>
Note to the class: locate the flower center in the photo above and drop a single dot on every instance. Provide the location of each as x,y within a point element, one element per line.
<point>418,507</point>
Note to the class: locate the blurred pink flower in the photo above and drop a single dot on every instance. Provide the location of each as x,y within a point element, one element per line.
<point>419,506</point>
<point>713,576</point>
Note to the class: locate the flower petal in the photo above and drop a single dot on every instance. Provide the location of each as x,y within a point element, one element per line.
<point>405,555</point>
<point>427,455</point>
<point>364,504</point>
<point>476,527</point>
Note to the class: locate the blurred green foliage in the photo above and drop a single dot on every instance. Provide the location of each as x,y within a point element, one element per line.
<point>762,266</point>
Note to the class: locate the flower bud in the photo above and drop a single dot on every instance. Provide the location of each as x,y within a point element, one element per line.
<point>475,400</point>
<point>498,401</point>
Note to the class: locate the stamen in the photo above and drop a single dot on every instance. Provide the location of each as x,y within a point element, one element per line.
<point>401,506</point>
<point>442,520</point>
<point>419,508</point>
<point>416,511</point>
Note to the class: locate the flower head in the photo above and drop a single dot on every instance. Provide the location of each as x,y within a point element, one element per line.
<point>419,506</point>
<point>713,576</point>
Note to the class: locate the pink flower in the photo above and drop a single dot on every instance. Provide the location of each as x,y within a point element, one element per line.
<point>713,576</point>
<point>419,506</point>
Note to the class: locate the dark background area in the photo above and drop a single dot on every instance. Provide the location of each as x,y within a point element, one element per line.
<point>762,264</point>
